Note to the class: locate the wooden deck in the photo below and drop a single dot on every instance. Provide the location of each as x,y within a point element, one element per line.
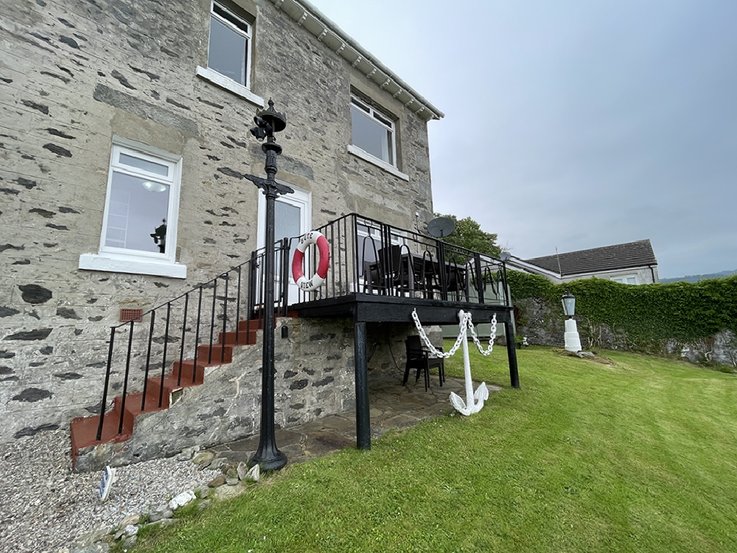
<point>372,308</point>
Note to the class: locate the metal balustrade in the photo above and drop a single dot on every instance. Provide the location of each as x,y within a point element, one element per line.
<point>372,257</point>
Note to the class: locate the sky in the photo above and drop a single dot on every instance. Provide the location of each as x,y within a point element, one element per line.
<point>574,124</point>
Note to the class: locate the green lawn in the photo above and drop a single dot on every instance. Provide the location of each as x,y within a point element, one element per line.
<point>637,456</point>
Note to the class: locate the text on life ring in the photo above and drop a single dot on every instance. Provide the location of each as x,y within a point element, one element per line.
<point>316,238</point>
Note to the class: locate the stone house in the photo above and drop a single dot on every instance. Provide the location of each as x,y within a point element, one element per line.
<point>125,143</point>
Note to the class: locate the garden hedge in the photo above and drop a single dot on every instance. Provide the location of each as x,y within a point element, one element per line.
<point>649,315</point>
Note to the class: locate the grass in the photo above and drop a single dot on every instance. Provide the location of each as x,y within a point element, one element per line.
<point>636,456</point>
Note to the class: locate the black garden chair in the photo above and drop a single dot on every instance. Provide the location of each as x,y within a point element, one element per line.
<point>418,358</point>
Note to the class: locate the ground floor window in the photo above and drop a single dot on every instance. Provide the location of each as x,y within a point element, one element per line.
<point>139,225</point>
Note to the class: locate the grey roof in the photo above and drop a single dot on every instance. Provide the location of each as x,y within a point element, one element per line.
<point>607,258</point>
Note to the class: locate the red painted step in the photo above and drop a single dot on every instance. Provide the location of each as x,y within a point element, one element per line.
<point>181,375</point>
<point>215,354</point>
<point>241,338</point>
<point>253,324</point>
<point>190,375</point>
<point>84,431</point>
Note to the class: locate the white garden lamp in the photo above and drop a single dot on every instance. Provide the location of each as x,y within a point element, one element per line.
<point>572,340</point>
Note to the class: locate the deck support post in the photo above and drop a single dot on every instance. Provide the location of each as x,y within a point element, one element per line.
<point>511,352</point>
<point>363,420</point>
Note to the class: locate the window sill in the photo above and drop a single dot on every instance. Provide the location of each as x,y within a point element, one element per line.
<point>358,152</point>
<point>113,263</point>
<point>230,85</point>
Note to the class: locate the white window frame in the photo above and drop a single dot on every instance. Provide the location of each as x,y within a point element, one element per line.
<point>245,29</point>
<point>122,260</point>
<point>625,279</point>
<point>385,121</point>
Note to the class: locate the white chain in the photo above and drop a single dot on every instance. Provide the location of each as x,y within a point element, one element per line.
<point>464,324</point>
<point>433,350</point>
<point>492,336</point>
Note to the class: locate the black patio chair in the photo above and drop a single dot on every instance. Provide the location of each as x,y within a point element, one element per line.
<point>396,272</point>
<point>418,358</point>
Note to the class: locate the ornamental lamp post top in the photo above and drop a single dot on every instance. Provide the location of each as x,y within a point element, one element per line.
<point>569,304</point>
<point>268,121</point>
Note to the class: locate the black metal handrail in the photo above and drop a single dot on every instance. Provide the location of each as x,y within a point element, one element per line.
<point>172,331</point>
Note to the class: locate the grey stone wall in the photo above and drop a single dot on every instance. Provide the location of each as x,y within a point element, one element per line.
<point>75,73</point>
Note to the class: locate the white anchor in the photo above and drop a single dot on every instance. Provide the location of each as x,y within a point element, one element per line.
<point>474,400</point>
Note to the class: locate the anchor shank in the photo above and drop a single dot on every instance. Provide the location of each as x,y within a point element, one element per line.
<point>467,373</point>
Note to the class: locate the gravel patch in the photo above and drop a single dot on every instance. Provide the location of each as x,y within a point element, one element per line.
<point>44,506</point>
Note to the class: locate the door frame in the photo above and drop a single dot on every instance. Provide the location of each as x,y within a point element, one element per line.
<point>301,199</point>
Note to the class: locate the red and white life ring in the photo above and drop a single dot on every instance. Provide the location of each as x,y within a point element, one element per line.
<point>318,279</point>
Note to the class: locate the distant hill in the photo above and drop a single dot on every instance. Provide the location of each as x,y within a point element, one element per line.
<point>696,278</point>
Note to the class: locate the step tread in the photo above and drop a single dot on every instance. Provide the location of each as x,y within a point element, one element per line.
<point>244,338</point>
<point>84,429</point>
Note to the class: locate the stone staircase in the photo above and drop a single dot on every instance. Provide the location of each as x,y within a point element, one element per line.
<point>159,393</point>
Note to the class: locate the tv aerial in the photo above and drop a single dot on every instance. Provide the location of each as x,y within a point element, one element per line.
<point>441,227</point>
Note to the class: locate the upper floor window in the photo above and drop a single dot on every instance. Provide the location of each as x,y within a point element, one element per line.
<point>372,131</point>
<point>139,226</point>
<point>229,51</point>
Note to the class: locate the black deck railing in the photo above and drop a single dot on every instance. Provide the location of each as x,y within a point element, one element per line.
<point>367,257</point>
<point>372,257</point>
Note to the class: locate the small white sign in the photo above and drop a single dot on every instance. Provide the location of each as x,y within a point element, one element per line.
<point>106,483</point>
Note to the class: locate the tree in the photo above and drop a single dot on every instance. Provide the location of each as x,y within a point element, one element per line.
<point>468,234</point>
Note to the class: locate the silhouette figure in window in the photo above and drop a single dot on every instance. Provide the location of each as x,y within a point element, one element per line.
<point>159,236</point>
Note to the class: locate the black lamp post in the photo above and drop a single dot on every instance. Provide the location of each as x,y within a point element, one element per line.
<point>268,122</point>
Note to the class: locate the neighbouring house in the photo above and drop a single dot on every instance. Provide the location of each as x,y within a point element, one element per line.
<point>630,263</point>
<point>132,244</point>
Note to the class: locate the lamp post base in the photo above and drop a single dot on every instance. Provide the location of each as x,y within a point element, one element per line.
<point>571,339</point>
<point>268,459</point>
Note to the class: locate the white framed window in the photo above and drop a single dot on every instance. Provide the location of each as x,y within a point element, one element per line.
<point>229,51</point>
<point>229,48</point>
<point>373,132</point>
<point>139,226</point>
<point>625,279</point>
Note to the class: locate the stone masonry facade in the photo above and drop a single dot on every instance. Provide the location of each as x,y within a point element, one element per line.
<point>75,74</point>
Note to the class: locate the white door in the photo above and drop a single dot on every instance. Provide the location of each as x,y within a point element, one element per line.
<point>292,217</point>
